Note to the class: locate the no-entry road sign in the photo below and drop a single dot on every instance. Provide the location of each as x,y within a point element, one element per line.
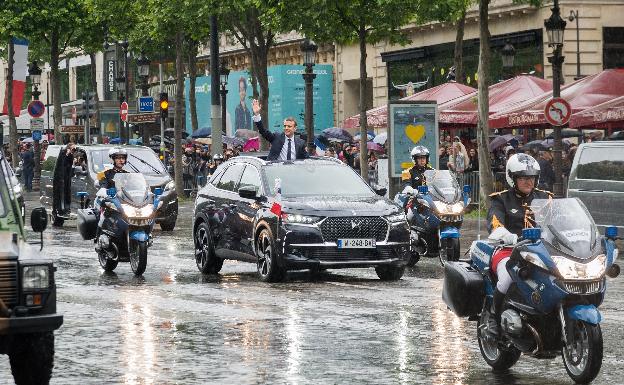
<point>557,112</point>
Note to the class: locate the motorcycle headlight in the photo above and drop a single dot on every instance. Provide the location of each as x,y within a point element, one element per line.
<point>141,212</point>
<point>440,206</point>
<point>457,208</point>
<point>302,219</point>
<point>570,269</point>
<point>35,277</point>
<point>146,211</point>
<point>170,186</point>
<point>396,218</point>
<point>534,259</point>
<point>445,208</point>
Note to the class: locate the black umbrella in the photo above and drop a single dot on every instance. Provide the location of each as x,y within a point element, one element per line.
<point>535,145</point>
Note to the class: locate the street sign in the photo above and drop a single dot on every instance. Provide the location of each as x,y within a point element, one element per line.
<point>557,112</point>
<point>143,118</point>
<point>36,124</point>
<point>36,108</point>
<point>72,129</point>
<point>36,135</point>
<point>123,111</point>
<point>146,104</point>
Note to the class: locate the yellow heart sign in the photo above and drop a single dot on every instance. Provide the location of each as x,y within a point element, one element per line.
<point>415,133</point>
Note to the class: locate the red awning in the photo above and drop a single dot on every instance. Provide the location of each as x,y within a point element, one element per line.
<point>600,116</point>
<point>378,117</point>
<point>582,94</point>
<point>463,111</point>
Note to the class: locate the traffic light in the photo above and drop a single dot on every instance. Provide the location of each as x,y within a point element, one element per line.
<point>164,105</point>
<point>88,104</point>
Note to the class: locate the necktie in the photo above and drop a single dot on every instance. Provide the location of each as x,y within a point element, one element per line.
<point>288,157</point>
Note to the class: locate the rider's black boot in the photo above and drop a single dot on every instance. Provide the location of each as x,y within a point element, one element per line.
<point>497,309</point>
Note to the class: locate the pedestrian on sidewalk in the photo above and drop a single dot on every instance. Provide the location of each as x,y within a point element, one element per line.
<point>28,165</point>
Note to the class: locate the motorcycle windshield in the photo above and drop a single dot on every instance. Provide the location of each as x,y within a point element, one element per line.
<point>131,187</point>
<point>443,186</point>
<point>567,226</point>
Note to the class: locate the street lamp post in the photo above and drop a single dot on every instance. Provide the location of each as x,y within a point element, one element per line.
<point>309,48</point>
<point>574,16</point>
<point>121,87</point>
<point>35,77</point>
<point>508,55</point>
<point>224,72</point>
<point>555,27</point>
<point>143,65</point>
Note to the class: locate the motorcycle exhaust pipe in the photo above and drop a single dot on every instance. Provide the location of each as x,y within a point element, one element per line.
<point>613,271</point>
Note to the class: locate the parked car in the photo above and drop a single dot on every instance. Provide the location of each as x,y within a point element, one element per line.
<point>305,214</point>
<point>28,314</point>
<point>63,201</point>
<point>597,179</point>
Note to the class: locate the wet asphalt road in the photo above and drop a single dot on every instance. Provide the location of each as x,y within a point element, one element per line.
<point>175,326</point>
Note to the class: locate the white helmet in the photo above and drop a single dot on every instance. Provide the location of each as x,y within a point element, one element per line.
<point>521,165</point>
<point>419,151</point>
<point>117,151</point>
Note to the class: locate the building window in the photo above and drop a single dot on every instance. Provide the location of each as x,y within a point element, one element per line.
<point>613,47</point>
<point>431,64</point>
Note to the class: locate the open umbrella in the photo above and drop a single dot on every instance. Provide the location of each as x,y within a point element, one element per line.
<point>369,136</point>
<point>381,138</point>
<point>171,132</point>
<point>551,142</point>
<point>337,133</point>
<point>376,147</point>
<point>27,140</point>
<point>204,140</point>
<point>232,141</point>
<point>252,144</point>
<point>535,145</point>
<point>203,132</point>
<point>501,140</point>
<point>245,133</point>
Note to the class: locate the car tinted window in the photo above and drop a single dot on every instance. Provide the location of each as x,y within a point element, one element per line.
<point>603,163</point>
<point>315,179</point>
<point>251,177</point>
<point>230,177</point>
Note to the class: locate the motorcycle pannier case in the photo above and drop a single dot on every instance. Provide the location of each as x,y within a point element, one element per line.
<point>87,223</point>
<point>464,289</point>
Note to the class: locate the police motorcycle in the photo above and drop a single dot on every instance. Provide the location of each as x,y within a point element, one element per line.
<point>435,213</point>
<point>558,274</point>
<point>121,222</point>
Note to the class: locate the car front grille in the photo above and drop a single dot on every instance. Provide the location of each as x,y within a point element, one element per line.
<point>330,254</point>
<point>8,283</point>
<point>588,287</point>
<point>334,228</point>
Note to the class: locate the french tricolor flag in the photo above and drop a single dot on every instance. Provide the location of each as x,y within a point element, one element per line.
<point>20,71</point>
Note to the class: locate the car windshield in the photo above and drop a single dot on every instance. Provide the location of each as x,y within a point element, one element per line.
<point>9,217</point>
<point>132,185</point>
<point>140,160</point>
<point>315,179</point>
<point>566,225</point>
<point>443,185</point>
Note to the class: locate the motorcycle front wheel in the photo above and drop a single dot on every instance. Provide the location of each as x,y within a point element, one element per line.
<point>493,353</point>
<point>107,263</point>
<point>449,250</point>
<point>582,356</point>
<point>138,257</point>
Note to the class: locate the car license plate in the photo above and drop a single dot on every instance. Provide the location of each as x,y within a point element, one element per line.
<point>356,243</point>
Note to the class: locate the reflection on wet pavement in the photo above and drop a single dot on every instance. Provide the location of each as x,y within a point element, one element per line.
<point>175,326</point>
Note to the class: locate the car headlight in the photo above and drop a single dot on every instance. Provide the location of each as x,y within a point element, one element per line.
<point>445,208</point>
<point>570,269</point>
<point>170,186</point>
<point>302,219</point>
<point>534,259</point>
<point>396,218</point>
<point>35,277</point>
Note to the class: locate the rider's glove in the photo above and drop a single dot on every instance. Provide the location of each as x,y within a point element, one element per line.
<point>502,234</point>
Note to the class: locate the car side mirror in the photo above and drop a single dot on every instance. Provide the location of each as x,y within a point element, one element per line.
<point>39,219</point>
<point>248,192</point>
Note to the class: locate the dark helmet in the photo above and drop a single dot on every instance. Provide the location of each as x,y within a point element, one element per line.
<point>521,165</point>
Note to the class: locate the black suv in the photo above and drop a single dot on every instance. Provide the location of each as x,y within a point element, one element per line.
<point>28,315</point>
<point>306,214</point>
<point>62,199</point>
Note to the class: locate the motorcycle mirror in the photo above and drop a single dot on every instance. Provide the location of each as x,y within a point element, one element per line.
<point>111,192</point>
<point>158,191</point>
<point>424,190</point>
<point>467,188</point>
<point>533,234</point>
<point>611,232</point>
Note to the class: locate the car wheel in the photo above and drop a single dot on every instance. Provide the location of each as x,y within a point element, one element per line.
<point>268,268</point>
<point>205,258</point>
<point>168,225</point>
<point>32,358</point>
<point>390,272</point>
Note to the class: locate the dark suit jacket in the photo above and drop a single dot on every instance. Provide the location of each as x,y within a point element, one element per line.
<point>277,142</point>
